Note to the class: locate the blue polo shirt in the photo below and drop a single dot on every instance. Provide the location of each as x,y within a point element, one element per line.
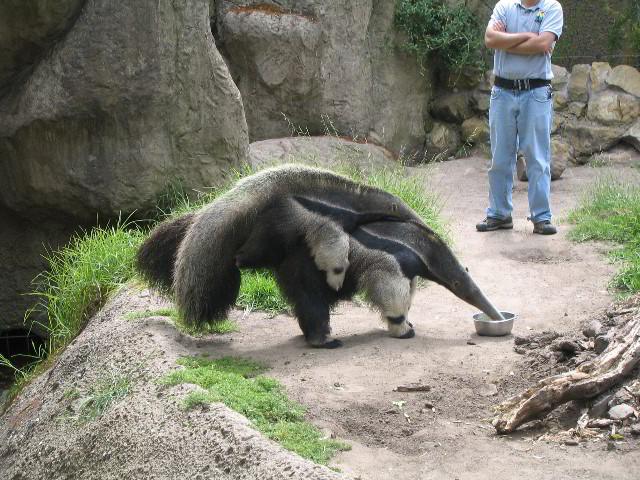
<point>544,16</point>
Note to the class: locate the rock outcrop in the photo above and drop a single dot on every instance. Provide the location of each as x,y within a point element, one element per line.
<point>102,105</point>
<point>132,95</point>
<point>325,68</point>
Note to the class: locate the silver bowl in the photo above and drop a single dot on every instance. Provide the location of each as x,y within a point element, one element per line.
<point>494,328</point>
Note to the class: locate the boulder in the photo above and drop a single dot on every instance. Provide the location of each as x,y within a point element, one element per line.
<point>443,139</point>
<point>560,77</point>
<point>561,155</point>
<point>451,107</point>
<point>577,109</point>
<point>560,100</point>
<point>598,75</point>
<point>325,151</point>
<point>620,412</point>
<point>625,78</point>
<point>480,101</point>
<point>322,68</point>
<point>587,138</point>
<point>135,95</point>
<point>611,107</point>
<point>578,87</point>
<point>475,130</point>
<point>464,79</point>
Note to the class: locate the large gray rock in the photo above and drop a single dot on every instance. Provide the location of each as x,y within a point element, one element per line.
<point>442,140</point>
<point>133,96</point>
<point>325,67</point>
<point>560,100</point>
<point>560,77</point>
<point>480,101</point>
<point>326,151</point>
<point>611,107</point>
<point>598,75</point>
<point>578,87</point>
<point>561,155</point>
<point>626,78</point>
<point>475,130</point>
<point>451,107</point>
<point>587,138</point>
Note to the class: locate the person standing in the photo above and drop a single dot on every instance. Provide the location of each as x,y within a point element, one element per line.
<point>522,34</point>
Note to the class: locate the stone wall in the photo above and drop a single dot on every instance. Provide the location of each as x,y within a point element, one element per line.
<point>596,107</point>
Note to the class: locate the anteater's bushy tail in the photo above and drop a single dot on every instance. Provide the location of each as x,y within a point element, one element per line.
<point>156,257</point>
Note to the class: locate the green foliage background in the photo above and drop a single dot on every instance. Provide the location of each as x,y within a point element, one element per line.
<point>587,28</point>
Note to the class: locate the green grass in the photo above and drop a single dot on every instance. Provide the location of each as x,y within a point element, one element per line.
<point>610,212</point>
<point>240,385</point>
<point>259,291</point>
<point>80,278</point>
<point>89,404</point>
<point>224,326</point>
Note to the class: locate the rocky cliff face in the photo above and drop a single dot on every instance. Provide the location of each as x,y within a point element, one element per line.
<point>325,67</point>
<point>102,103</point>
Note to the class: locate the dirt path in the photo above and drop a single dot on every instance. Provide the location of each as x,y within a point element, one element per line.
<point>550,282</point>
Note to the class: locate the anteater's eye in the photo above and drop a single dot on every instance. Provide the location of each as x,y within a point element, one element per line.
<point>467,269</point>
<point>338,271</point>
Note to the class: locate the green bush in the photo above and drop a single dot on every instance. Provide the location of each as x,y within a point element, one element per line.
<point>624,36</point>
<point>439,33</point>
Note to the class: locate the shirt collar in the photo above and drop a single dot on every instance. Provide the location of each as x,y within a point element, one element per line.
<point>534,7</point>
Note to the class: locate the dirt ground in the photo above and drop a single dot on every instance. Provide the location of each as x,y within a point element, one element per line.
<point>445,433</point>
<point>548,281</point>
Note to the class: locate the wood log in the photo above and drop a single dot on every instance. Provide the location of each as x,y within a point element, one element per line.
<point>586,381</point>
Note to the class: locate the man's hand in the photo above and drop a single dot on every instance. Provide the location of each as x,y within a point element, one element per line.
<point>499,26</point>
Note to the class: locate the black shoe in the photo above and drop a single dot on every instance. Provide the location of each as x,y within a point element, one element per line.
<point>490,223</point>
<point>544,228</point>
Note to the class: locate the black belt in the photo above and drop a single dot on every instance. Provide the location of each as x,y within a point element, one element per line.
<point>521,84</point>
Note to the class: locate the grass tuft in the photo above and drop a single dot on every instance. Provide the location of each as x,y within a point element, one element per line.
<point>239,384</point>
<point>259,291</point>
<point>610,212</point>
<point>90,404</point>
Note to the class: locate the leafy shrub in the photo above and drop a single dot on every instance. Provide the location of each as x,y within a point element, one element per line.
<point>437,32</point>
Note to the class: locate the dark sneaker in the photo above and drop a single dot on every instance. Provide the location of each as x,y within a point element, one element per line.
<point>490,223</point>
<point>544,228</point>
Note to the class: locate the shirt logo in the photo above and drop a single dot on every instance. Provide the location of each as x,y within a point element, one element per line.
<point>540,16</point>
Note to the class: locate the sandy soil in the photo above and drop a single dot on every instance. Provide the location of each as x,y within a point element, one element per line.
<point>550,282</point>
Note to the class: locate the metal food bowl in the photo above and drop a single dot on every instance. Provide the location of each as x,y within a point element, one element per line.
<point>494,328</point>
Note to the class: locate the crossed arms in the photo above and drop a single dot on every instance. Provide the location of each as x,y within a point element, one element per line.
<point>523,43</point>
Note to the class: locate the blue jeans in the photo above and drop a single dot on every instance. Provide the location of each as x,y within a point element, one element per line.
<point>520,119</point>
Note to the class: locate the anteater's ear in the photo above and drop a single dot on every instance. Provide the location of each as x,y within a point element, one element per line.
<point>394,208</point>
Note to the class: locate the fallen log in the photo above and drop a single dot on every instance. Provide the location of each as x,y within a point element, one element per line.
<point>586,381</point>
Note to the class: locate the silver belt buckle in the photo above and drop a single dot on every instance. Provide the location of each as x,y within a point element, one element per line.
<point>526,84</point>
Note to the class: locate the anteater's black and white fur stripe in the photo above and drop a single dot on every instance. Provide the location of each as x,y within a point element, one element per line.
<point>266,221</point>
